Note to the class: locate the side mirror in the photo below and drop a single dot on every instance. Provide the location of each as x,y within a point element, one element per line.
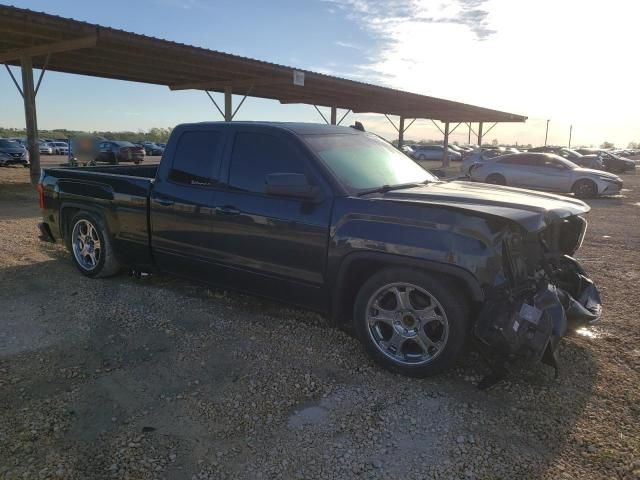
<point>294,185</point>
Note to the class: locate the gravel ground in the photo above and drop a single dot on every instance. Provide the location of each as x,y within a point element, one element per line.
<point>162,378</point>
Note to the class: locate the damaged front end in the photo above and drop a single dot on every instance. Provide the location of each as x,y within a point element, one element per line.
<point>544,293</point>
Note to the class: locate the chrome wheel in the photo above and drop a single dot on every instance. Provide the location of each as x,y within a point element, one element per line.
<point>407,324</point>
<point>86,244</point>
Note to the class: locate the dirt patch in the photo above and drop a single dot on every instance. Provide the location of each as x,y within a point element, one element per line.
<point>161,378</point>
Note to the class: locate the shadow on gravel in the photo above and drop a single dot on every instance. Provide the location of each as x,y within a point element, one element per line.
<point>161,367</point>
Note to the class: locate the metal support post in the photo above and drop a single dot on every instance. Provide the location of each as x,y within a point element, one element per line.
<point>334,115</point>
<point>228,108</point>
<point>31,121</point>
<point>570,133</point>
<point>445,150</point>
<point>480,134</point>
<point>401,133</point>
<point>546,133</point>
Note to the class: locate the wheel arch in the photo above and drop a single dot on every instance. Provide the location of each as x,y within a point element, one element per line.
<point>357,267</point>
<point>69,209</point>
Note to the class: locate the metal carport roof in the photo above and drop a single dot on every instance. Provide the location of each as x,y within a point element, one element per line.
<point>33,39</point>
<point>94,50</point>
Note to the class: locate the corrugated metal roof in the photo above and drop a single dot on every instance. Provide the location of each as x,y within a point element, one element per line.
<point>133,57</point>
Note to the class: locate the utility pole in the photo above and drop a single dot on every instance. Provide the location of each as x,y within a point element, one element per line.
<point>570,132</point>
<point>546,133</point>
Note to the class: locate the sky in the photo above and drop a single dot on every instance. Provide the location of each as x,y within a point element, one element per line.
<point>571,62</point>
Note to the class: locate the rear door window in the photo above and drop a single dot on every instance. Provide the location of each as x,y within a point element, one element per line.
<point>196,160</point>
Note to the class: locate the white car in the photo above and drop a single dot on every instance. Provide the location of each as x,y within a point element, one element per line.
<point>60,148</point>
<point>545,171</point>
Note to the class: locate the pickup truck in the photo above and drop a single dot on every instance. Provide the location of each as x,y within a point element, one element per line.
<point>339,221</point>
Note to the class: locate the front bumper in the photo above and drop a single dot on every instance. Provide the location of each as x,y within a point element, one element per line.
<point>610,188</point>
<point>531,324</point>
<point>13,161</point>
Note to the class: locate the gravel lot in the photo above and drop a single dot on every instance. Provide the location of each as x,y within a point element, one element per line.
<point>162,378</point>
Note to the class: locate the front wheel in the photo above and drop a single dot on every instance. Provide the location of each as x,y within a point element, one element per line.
<point>585,189</point>
<point>90,246</point>
<point>410,323</point>
<point>496,179</point>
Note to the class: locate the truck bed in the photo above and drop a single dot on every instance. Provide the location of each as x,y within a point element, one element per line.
<point>119,194</point>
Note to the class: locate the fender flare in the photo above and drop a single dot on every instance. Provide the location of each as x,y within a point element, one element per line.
<point>466,277</point>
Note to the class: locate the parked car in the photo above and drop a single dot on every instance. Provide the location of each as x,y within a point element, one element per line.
<point>587,161</point>
<point>12,153</point>
<point>433,152</point>
<point>339,221</point>
<point>407,150</point>
<point>153,149</point>
<point>610,161</point>
<point>45,148</point>
<point>116,151</point>
<point>470,160</point>
<point>546,171</point>
<point>60,148</point>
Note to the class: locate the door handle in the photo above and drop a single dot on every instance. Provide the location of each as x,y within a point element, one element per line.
<point>165,202</point>
<point>227,210</point>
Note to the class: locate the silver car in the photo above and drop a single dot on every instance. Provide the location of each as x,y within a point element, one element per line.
<point>545,171</point>
<point>433,152</point>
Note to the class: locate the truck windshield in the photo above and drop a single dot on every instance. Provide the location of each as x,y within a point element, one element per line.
<point>364,161</point>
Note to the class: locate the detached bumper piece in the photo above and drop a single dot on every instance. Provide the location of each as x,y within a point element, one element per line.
<point>532,325</point>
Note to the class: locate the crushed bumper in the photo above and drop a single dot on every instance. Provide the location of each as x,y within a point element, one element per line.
<point>531,325</point>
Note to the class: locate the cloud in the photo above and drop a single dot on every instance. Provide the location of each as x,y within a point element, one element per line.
<point>343,44</point>
<point>379,15</point>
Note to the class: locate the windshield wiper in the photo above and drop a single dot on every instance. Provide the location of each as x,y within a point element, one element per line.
<point>388,188</point>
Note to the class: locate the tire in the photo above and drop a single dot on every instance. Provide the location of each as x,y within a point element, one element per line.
<point>421,157</point>
<point>585,189</point>
<point>496,179</point>
<point>92,228</point>
<point>425,347</point>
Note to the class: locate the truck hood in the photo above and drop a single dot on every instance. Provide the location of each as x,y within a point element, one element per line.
<point>531,209</point>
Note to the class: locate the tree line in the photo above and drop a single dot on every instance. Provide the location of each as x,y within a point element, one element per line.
<point>152,135</point>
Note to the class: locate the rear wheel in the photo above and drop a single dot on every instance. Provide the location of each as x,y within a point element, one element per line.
<point>410,323</point>
<point>421,157</point>
<point>90,246</point>
<point>585,189</point>
<point>496,179</point>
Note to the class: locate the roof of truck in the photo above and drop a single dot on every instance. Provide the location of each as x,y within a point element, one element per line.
<point>300,128</point>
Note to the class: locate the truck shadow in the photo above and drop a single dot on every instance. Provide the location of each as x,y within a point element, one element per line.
<point>111,357</point>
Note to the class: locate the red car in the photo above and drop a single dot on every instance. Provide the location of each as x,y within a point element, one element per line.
<point>116,151</point>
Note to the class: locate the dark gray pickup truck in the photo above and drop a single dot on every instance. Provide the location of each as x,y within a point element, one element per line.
<point>339,221</point>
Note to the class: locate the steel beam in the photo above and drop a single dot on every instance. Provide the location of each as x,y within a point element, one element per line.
<point>334,115</point>
<point>228,107</point>
<point>445,152</point>
<point>401,130</point>
<point>480,134</point>
<point>234,83</point>
<point>344,116</point>
<point>29,96</point>
<point>321,114</point>
<point>48,48</point>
